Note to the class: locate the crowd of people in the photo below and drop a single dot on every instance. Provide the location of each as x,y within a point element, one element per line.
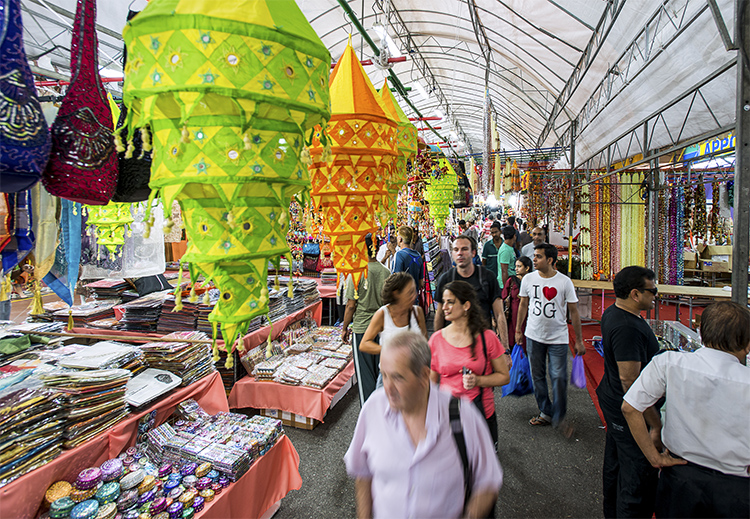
<point>418,452</point>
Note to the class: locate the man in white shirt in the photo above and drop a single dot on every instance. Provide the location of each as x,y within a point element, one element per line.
<point>405,452</point>
<point>706,419</point>
<point>546,296</point>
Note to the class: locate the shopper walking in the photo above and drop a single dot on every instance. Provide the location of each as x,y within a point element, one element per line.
<point>629,480</point>
<point>490,248</point>
<point>398,314</point>
<point>704,469</point>
<point>466,354</point>
<point>407,259</point>
<point>511,299</point>
<point>404,455</point>
<point>484,283</point>
<point>546,295</point>
<point>359,312</point>
<point>537,238</point>
<point>506,256</point>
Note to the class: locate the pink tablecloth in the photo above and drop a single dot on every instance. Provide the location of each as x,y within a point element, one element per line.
<point>268,480</point>
<point>300,400</point>
<point>22,497</point>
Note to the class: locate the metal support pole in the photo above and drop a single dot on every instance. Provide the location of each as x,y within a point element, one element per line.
<point>572,217</point>
<point>741,243</point>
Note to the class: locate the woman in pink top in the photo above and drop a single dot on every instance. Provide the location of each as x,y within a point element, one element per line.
<point>467,342</point>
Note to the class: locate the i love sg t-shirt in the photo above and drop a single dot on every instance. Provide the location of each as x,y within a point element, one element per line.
<point>548,304</point>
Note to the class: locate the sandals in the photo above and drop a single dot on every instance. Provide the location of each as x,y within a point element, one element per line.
<point>539,420</point>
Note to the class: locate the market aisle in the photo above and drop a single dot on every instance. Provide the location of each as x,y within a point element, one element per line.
<point>545,475</point>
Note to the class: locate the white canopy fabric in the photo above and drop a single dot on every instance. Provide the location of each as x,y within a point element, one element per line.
<point>609,65</point>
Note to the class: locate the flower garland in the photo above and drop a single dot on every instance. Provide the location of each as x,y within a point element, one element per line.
<point>679,245</point>
<point>606,229</point>
<point>584,240</point>
<point>617,213</point>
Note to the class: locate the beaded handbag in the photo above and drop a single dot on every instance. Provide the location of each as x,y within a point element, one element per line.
<point>83,163</point>
<point>24,136</point>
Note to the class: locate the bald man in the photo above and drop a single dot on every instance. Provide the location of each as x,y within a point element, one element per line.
<point>537,238</point>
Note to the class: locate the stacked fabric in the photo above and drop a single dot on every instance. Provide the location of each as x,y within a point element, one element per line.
<point>106,355</point>
<point>328,276</point>
<point>276,306</point>
<point>142,314</point>
<point>108,288</point>
<point>86,313</point>
<point>294,303</point>
<point>31,428</point>
<point>190,361</point>
<point>94,401</point>
<point>308,289</point>
<point>171,321</point>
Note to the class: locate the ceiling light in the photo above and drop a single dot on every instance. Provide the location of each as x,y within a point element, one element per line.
<point>419,88</point>
<point>393,49</point>
<point>110,73</point>
<point>439,113</point>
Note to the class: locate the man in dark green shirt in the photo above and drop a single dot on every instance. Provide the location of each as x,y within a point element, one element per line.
<point>490,248</point>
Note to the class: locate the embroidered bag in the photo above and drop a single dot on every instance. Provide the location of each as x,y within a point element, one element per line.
<point>24,136</point>
<point>134,157</point>
<point>83,163</point>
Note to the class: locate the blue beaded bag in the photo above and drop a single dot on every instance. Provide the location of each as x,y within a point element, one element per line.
<point>24,135</point>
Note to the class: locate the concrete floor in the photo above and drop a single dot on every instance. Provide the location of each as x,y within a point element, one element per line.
<point>545,475</point>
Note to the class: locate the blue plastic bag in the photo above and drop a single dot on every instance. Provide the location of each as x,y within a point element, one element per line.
<point>577,375</point>
<point>520,374</point>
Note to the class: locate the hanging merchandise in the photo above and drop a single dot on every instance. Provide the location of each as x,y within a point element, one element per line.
<point>699,209</point>
<point>439,192</point>
<point>22,238</point>
<point>133,156</point>
<point>6,220</point>
<point>63,275</point>
<point>347,189</point>
<point>407,147</point>
<point>498,177</point>
<point>83,162</point>
<point>515,177</point>
<point>45,227</point>
<point>228,91</point>
<point>175,235</point>
<point>108,225</point>
<point>584,239</point>
<point>507,179</point>
<point>24,136</point>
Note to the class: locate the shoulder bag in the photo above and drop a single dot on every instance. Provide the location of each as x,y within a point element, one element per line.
<point>24,136</point>
<point>83,163</point>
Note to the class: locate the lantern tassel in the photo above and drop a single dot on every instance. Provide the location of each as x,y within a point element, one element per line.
<point>178,291</point>
<point>146,139</point>
<point>71,323</point>
<point>5,288</point>
<point>214,347</point>
<point>119,146</point>
<point>131,149</point>
<point>37,308</point>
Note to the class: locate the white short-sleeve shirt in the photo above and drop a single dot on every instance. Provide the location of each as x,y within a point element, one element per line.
<point>546,320</point>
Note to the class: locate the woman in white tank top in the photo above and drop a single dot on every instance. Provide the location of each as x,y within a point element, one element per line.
<point>398,314</point>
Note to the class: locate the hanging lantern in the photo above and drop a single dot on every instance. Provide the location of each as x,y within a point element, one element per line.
<point>110,223</point>
<point>407,146</point>
<point>439,193</point>
<point>350,188</point>
<point>229,91</point>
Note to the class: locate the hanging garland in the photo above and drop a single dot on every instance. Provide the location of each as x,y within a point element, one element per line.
<point>699,211</point>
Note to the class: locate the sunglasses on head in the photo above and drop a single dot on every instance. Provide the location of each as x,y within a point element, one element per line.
<point>652,290</point>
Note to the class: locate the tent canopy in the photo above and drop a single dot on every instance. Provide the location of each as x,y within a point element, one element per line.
<point>598,68</point>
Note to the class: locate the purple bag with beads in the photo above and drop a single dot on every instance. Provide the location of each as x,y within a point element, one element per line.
<point>24,136</point>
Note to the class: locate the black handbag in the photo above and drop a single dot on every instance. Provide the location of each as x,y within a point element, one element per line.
<point>133,157</point>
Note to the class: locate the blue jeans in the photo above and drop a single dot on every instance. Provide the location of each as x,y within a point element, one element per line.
<point>538,353</point>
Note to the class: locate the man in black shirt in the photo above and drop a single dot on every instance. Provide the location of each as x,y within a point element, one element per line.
<point>483,281</point>
<point>628,478</point>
